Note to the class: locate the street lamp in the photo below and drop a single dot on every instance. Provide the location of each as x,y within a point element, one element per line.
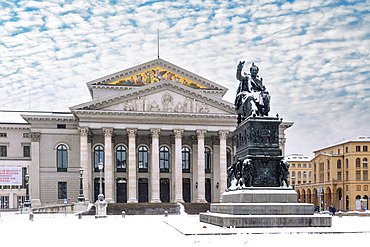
<point>81,197</point>
<point>293,181</point>
<point>100,196</point>
<point>27,203</point>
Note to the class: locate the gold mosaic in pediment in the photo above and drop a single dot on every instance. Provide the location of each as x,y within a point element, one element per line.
<point>154,75</point>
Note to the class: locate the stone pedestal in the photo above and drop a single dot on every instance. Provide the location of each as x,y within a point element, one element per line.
<point>100,209</point>
<point>263,207</point>
<point>80,207</point>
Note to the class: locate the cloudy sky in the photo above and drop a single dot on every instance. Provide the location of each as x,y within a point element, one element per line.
<point>313,55</point>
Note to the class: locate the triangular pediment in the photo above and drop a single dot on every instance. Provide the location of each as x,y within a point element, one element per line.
<point>162,97</point>
<point>154,72</point>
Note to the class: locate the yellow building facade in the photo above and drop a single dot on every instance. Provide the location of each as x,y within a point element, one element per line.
<point>342,171</point>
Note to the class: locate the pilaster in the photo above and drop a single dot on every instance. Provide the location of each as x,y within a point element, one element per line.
<point>35,169</point>
<point>84,160</point>
<point>223,162</point>
<point>108,163</point>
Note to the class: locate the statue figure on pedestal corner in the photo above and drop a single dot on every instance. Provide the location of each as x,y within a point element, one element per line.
<point>251,95</point>
<point>283,173</point>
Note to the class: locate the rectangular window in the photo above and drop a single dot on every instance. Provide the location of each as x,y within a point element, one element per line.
<point>309,165</point>
<point>346,175</point>
<point>3,134</point>
<point>61,126</point>
<point>3,151</point>
<point>358,175</point>
<point>26,151</point>
<point>338,151</point>
<point>314,178</point>
<point>339,175</point>
<point>304,165</point>
<point>358,148</point>
<point>293,165</point>
<point>346,149</point>
<point>26,135</point>
<point>328,176</point>
<point>346,187</point>
<point>364,148</point>
<point>358,187</point>
<point>62,190</point>
<point>364,175</point>
<point>366,187</point>
<point>299,165</point>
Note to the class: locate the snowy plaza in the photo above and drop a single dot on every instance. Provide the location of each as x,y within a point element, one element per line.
<point>175,230</point>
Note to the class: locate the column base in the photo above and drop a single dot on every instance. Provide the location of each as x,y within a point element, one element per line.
<point>35,202</point>
<point>132,201</point>
<point>178,201</point>
<point>201,201</point>
<point>155,201</point>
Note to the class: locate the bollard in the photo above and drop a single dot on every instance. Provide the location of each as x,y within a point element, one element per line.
<point>165,213</point>
<point>80,216</point>
<point>340,214</point>
<point>123,214</point>
<point>31,216</point>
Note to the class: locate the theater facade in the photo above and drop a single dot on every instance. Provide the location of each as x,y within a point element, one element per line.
<point>163,134</point>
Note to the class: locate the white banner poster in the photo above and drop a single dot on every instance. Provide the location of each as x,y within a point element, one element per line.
<point>10,175</point>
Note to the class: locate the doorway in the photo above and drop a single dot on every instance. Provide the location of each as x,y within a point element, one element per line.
<point>121,190</point>
<point>165,190</point>
<point>186,190</point>
<point>143,190</point>
<point>208,190</point>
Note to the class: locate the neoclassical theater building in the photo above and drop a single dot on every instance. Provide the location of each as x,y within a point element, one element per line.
<point>164,134</point>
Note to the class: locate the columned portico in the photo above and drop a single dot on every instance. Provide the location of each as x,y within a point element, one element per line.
<point>154,168</point>
<point>201,173</point>
<point>108,163</point>
<point>178,165</point>
<point>84,160</point>
<point>132,198</point>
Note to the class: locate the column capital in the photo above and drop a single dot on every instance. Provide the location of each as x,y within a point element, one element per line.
<point>223,134</point>
<point>35,136</point>
<point>178,133</point>
<point>83,131</point>
<point>131,133</point>
<point>155,133</point>
<point>108,132</point>
<point>201,134</point>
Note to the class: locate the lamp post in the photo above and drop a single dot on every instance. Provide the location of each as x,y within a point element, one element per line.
<point>81,197</point>
<point>27,203</point>
<point>101,196</point>
<point>293,181</point>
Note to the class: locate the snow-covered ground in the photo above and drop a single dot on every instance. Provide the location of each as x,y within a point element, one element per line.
<point>174,230</point>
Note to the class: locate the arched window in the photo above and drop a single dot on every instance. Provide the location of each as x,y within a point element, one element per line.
<point>339,164</point>
<point>304,175</point>
<point>98,157</point>
<point>185,159</point>
<point>121,158</point>
<point>293,174</point>
<point>364,162</point>
<point>207,160</point>
<point>358,163</point>
<point>328,165</point>
<point>143,159</point>
<point>299,174</point>
<point>62,158</point>
<point>346,163</point>
<point>164,159</point>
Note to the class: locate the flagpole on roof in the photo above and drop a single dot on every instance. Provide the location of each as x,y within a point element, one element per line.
<point>158,42</point>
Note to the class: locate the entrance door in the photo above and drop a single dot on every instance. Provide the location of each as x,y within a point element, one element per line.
<point>186,190</point>
<point>143,190</point>
<point>96,188</point>
<point>121,190</point>
<point>165,190</point>
<point>208,190</point>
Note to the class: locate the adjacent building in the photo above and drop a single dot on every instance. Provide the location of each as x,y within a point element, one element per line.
<point>163,134</point>
<point>341,170</point>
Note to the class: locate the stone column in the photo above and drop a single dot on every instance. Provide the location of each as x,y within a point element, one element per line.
<point>34,174</point>
<point>154,168</point>
<point>84,160</point>
<point>178,165</point>
<point>223,162</point>
<point>201,173</point>
<point>194,167</point>
<point>108,164</point>
<point>132,165</point>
